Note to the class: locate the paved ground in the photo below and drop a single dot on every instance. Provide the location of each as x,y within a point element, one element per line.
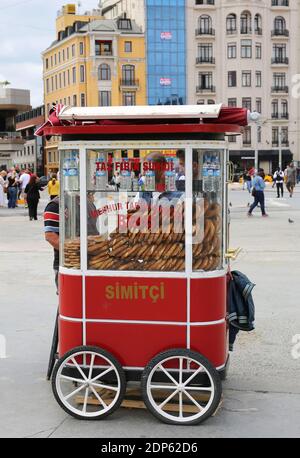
<point>262,393</point>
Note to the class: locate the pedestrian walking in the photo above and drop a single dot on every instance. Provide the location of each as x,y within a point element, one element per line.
<point>53,187</point>
<point>2,188</point>
<point>291,178</point>
<point>32,193</point>
<point>23,182</point>
<point>278,178</point>
<point>258,193</point>
<point>12,189</point>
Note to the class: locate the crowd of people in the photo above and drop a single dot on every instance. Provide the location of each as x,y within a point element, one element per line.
<point>23,185</point>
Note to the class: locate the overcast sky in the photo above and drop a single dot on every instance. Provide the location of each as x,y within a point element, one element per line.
<point>27,27</point>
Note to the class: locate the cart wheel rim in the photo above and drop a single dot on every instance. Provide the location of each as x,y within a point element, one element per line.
<point>180,388</point>
<point>89,385</point>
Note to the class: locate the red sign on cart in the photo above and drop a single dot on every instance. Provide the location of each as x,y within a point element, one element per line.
<point>149,299</point>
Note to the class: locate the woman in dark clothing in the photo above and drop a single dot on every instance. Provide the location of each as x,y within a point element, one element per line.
<point>12,190</point>
<point>32,193</point>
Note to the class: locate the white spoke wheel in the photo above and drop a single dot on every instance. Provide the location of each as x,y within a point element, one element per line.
<point>181,387</point>
<point>88,383</point>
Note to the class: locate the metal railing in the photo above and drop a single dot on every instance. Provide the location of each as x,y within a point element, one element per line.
<point>129,82</point>
<point>205,60</point>
<point>205,31</point>
<point>280,89</point>
<point>280,60</point>
<point>205,88</point>
<point>280,2</point>
<point>280,33</point>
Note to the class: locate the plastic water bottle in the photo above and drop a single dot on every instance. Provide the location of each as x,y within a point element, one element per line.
<point>205,174</point>
<point>101,174</point>
<point>170,175</point>
<point>217,173</point>
<point>150,180</point>
<point>70,172</point>
<point>125,179</point>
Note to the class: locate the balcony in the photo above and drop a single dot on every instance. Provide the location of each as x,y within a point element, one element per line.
<point>202,89</point>
<point>280,60</point>
<point>275,115</point>
<point>103,53</point>
<point>284,89</point>
<point>205,60</point>
<point>129,83</point>
<point>258,31</point>
<point>205,31</point>
<point>280,33</point>
<point>280,3</point>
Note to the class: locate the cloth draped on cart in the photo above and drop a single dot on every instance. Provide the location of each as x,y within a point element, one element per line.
<point>241,309</point>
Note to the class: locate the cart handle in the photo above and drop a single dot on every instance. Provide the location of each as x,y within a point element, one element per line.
<point>233,253</point>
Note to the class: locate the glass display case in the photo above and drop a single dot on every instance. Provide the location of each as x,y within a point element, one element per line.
<point>136,209</point>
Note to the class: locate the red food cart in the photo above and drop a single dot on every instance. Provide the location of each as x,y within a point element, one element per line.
<point>143,258</point>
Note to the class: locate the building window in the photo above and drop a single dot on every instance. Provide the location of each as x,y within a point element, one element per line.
<point>55,59</point>
<point>232,103</point>
<point>47,86</point>
<point>246,103</point>
<point>275,136</point>
<point>232,79</point>
<point>258,51</point>
<point>51,60</point>
<point>104,98</point>
<point>258,79</point>
<point>231,24</point>
<point>246,22</point>
<point>128,46</point>
<point>279,80</point>
<point>82,100</point>
<point>284,109</point>
<point>205,53</point>
<point>259,130</point>
<point>210,102</point>
<point>75,100</point>
<point>279,54</point>
<point>103,48</point>
<point>82,73</point>
<point>104,72</point>
<point>63,55</point>
<point>129,98</point>
<point>246,49</point>
<point>205,24</point>
<point>59,78</point>
<point>64,79</point>
<point>81,48</point>
<point>247,136</point>
<point>258,24</point>
<point>258,105</point>
<point>231,50</point>
<point>47,64</point>
<point>68,54</point>
<point>285,136</point>
<point>73,50</point>
<point>68,79</point>
<point>275,109</point>
<point>56,86</point>
<point>52,84</point>
<point>279,25</point>
<point>69,101</point>
<point>59,57</point>
<point>205,80</point>
<point>246,79</point>
<point>74,75</point>
<point>128,74</point>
